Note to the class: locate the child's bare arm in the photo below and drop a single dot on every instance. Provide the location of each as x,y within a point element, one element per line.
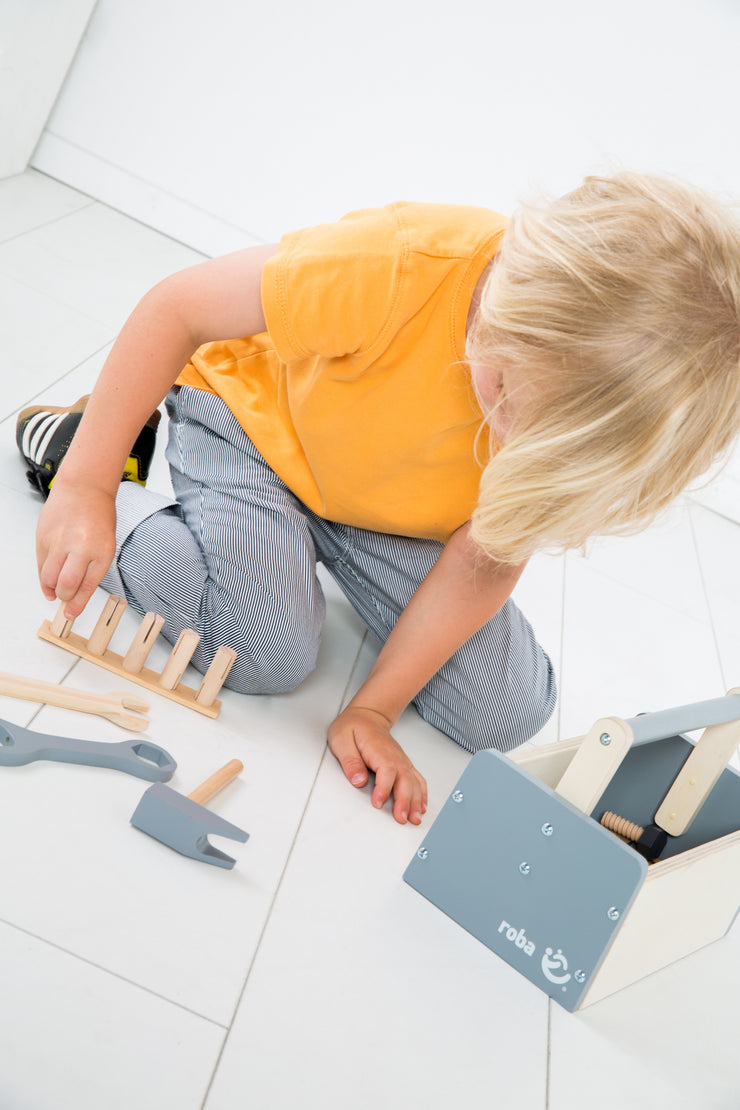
<point>219,299</point>
<point>460,594</point>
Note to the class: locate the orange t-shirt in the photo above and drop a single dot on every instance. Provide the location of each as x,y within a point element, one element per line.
<point>358,395</point>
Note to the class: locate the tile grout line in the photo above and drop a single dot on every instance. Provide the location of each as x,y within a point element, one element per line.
<point>641,593</point>
<point>57,381</point>
<point>353,671</point>
<point>562,645</point>
<point>84,316</point>
<point>113,974</point>
<point>143,181</point>
<point>276,893</point>
<point>548,1054</point>
<point>707,601</point>
<point>55,220</point>
<point>63,679</point>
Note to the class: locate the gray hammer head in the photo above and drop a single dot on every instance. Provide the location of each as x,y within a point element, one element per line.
<point>182,824</point>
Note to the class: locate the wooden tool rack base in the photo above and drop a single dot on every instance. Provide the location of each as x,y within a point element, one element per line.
<point>131,665</point>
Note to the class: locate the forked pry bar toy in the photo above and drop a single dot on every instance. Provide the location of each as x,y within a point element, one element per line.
<point>131,665</point>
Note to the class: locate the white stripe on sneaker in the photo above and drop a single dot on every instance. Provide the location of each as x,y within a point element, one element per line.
<point>36,424</point>
<point>42,434</point>
<point>47,434</point>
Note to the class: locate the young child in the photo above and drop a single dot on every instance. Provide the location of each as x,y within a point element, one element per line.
<point>424,398</point>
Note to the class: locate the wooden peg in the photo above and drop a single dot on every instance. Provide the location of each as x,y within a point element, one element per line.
<point>107,623</point>
<point>142,643</point>
<point>180,656</point>
<point>215,676</point>
<point>61,626</point>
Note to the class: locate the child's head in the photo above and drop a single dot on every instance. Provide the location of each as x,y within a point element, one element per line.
<point>614,312</point>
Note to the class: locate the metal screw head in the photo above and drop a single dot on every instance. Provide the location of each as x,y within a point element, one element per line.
<point>580,977</point>
<point>458,796</point>
<point>605,739</point>
<point>613,914</point>
<point>423,853</point>
<point>524,868</point>
<point>547,829</point>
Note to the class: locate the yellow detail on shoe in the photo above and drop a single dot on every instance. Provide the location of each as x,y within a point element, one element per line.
<point>132,471</point>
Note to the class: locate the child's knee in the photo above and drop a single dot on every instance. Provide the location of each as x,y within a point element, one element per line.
<point>273,676</point>
<point>489,717</point>
<point>274,664</point>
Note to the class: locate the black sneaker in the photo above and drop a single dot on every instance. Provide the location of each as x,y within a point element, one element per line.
<point>43,435</point>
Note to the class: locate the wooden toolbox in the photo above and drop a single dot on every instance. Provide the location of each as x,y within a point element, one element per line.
<point>518,855</point>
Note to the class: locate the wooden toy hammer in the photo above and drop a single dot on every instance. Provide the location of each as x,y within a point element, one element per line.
<point>183,823</point>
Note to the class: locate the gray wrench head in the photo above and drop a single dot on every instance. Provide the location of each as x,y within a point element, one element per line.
<point>182,824</point>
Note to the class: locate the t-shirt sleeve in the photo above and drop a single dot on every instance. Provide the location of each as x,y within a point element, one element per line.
<point>330,290</point>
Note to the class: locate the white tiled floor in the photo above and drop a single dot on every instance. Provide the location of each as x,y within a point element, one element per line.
<point>310,975</point>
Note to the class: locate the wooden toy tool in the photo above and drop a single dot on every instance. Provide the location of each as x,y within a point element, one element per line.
<point>131,665</point>
<point>183,823</point>
<point>112,706</point>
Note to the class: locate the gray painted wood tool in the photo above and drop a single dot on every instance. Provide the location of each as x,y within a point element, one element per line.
<point>183,823</point>
<point>141,758</point>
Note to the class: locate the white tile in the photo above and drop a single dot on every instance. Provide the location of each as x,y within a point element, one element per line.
<point>63,390</point>
<point>660,562</point>
<point>128,192</point>
<point>73,1037</point>
<point>719,489</point>
<point>626,653</point>
<point>668,1041</point>
<point>371,993</point>
<point>23,605</point>
<point>42,339</point>
<point>96,261</point>
<point>539,594</point>
<point>718,543</point>
<point>183,929</point>
<point>31,200</point>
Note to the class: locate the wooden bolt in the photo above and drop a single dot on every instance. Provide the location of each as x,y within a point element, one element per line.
<point>61,626</point>
<point>142,643</point>
<point>215,676</point>
<point>107,623</point>
<point>180,656</point>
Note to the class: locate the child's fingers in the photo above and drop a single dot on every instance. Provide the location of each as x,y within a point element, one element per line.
<point>343,747</point>
<point>49,567</point>
<point>87,588</point>
<point>386,783</point>
<point>408,798</point>
<point>406,787</point>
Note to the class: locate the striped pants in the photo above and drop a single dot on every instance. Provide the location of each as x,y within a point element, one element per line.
<point>235,555</point>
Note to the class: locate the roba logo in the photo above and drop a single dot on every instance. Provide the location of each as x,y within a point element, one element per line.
<point>555,966</point>
<point>517,937</point>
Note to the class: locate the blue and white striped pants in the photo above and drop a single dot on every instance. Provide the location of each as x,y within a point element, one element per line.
<point>234,557</point>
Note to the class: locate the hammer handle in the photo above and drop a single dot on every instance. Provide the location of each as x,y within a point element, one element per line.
<point>216,782</point>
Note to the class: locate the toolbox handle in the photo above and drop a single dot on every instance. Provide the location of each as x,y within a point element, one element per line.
<point>593,766</point>
<point>609,739</point>
<point>685,718</point>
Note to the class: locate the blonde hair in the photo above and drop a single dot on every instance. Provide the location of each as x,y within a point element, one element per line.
<point>620,302</point>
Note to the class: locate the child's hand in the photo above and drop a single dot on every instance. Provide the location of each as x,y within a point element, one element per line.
<point>75,544</point>
<point>361,740</point>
